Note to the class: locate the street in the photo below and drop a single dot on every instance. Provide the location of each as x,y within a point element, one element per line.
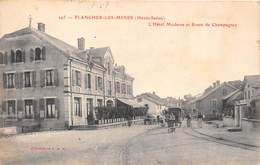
<point>138,145</point>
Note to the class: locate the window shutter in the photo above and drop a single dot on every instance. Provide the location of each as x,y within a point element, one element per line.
<point>73,78</point>
<point>12,56</point>
<point>34,78</point>
<point>21,79</point>
<point>1,58</point>
<point>5,58</point>
<point>42,105</point>
<point>17,80</point>
<point>20,105</point>
<point>86,81</point>
<point>43,53</point>
<point>23,56</point>
<point>35,108</point>
<point>4,80</point>
<point>31,55</point>
<point>57,107</point>
<point>42,78</point>
<point>4,106</point>
<point>56,77</point>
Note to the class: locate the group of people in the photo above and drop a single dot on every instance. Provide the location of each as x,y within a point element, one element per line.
<point>174,121</point>
<point>200,117</point>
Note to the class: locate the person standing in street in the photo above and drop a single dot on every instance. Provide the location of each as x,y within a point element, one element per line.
<point>199,118</point>
<point>188,120</point>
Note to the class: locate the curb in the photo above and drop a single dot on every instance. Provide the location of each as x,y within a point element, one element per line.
<point>225,139</point>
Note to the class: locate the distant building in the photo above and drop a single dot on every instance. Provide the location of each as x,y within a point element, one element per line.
<point>210,102</point>
<point>49,82</point>
<point>154,103</point>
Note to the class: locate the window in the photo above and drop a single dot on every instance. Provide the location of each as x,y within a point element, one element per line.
<point>100,83</point>
<point>89,106</point>
<point>27,79</point>
<point>123,89</point>
<point>88,81</point>
<point>129,89</point>
<point>18,56</point>
<point>11,108</point>
<point>49,77</point>
<point>118,87</point>
<point>10,80</point>
<point>77,106</point>
<point>28,107</point>
<point>245,94</point>
<point>109,89</point>
<point>50,108</point>
<point>99,102</point>
<point>38,53</point>
<point>78,78</point>
<point>248,95</point>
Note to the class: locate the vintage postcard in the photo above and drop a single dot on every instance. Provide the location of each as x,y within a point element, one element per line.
<point>85,82</point>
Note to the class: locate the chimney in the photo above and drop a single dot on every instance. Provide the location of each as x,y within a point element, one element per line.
<point>81,43</point>
<point>218,83</point>
<point>214,84</point>
<point>41,27</point>
<point>153,93</point>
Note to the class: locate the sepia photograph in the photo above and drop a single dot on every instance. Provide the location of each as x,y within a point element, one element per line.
<point>149,82</point>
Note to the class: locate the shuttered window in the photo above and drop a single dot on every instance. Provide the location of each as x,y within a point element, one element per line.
<point>11,108</point>
<point>50,108</point>
<point>78,78</point>
<point>38,54</point>
<point>88,81</point>
<point>27,79</point>
<point>17,56</point>
<point>28,109</point>
<point>10,80</point>
<point>49,77</point>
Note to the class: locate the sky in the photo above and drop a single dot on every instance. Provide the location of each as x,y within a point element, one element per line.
<point>169,60</point>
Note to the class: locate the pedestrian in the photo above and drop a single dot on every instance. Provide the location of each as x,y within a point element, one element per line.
<point>188,120</point>
<point>199,118</point>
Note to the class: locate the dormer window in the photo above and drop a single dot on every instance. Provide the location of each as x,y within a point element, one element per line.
<point>38,54</point>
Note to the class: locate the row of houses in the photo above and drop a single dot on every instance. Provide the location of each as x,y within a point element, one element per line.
<point>50,82</point>
<point>224,99</point>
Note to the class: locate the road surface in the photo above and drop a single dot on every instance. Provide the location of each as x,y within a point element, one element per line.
<point>138,145</point>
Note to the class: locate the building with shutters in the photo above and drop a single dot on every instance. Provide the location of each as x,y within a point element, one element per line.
<point>53,84</point>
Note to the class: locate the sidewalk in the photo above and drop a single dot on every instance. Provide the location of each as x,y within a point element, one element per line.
<point>248,138</point>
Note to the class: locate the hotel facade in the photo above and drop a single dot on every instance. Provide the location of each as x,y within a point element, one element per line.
<point>49,82</point>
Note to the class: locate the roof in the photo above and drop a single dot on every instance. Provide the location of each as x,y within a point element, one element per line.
<point>61,45</point>
<point>131,102</point>
<point>152,97</point>
<point>231,94</point>
<point>252,80</point>
<point>98,52</point>
<point>215,89</point>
